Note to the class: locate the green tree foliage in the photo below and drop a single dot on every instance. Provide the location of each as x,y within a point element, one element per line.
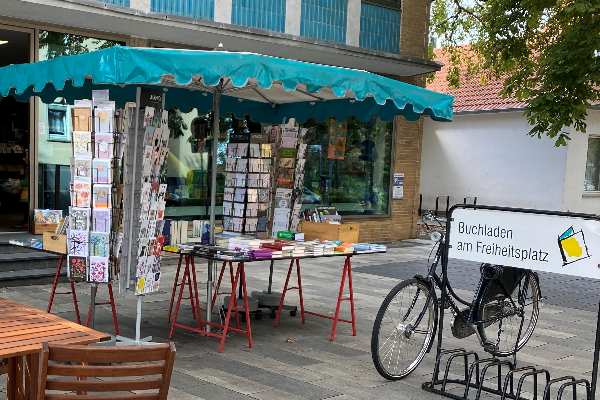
<point>546,51</point>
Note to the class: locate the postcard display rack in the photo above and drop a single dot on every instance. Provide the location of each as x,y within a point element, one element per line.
<point>247,192</point>
<point>144,199</point>
<point>289,180</point>
<point>94,234</point>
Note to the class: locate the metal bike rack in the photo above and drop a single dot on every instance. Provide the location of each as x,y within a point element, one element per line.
<point>474,374</point>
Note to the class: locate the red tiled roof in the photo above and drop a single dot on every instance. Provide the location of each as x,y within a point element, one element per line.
<point>472,95</point>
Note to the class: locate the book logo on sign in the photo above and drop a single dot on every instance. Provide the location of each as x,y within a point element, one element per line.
<point>572,246</point>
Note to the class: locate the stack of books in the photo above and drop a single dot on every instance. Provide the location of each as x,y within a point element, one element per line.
<point>285,248</point>
<point>298,251</point>
<point>368,247</point>
<point>313,249</point>
<point>345,248</point>
<point>260,254</point>
<point>329,248</point>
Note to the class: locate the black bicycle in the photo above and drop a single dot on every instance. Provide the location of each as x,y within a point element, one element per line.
<point>503,314</point>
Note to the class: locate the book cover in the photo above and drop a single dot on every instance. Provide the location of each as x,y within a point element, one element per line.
<point>285,183</point>
<point>289,132</point>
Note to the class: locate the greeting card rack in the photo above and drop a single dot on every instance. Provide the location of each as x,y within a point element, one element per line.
<point>249,177</point>
<point>94,234</point>
<point>144,200</point>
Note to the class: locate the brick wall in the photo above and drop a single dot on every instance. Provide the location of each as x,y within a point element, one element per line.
<point>408,137</point>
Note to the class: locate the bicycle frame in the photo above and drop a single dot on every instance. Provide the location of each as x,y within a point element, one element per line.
<point>434,280</point>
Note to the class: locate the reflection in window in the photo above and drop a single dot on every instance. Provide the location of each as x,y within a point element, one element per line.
<point>348,165</point>
<point>59,122</point>
<point>54,147</point>
<point>592,167</point>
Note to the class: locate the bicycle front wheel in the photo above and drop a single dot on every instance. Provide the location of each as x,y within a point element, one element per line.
<point>510,323</point>
<point>397,344</point>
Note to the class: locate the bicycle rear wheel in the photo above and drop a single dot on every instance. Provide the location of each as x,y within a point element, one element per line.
<point>397,346</point>
<point>502,331</point>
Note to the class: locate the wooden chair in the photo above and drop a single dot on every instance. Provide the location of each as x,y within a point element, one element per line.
<point>131,377</point>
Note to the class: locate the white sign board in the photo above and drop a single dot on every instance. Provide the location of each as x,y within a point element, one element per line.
<point>398,191</point>
<point>538,242</point>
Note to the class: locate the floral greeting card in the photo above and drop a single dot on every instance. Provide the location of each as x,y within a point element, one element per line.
<point>77,270</point>
<point>99,269</point>
<point>79,219</point>
<point>78,243</point>
<point>82,170</point>
<point>99,244</point>
<point>82,143</point>
<point>80,195</point>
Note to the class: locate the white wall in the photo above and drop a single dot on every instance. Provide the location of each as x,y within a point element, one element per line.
<point>490,156</point>
<point>574,198</point>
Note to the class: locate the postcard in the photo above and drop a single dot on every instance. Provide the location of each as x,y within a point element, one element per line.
<point>149,116</point>
<point>240,195</point>
<point>77,269</point>
<point>238,209</point>
<point>83,170</point>
<point>264,195</point>
<point>241,165</point>
<point>78,243</point>
<point>289,142</point>
<point>103,119</point>
<point>230,164</point>
<point>82,118</point>
<point>227,208</point>
<point>254,150</point>
<point>99,242</point>
<point>252,195</point>
<point>99,269</point>
<point>240,180</point>
<point>101,219</point>
<point>81,194</point>
<point>251,224</point>
<point>252,210</point>
<point>82,144</point>
<point>102,172</point>
<point>79,219</point>
<point>104,145</point>
<point>47,216</point>
<point>102,196</point>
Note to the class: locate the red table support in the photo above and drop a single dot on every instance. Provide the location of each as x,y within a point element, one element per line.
<point>336,318</point>
<point>176,283</point>
<point>238,277</point>
<point>54,292</point>
<point>112,305</point>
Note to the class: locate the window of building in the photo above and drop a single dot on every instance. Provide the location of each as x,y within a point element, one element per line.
<point>380,26</point>
<point>264,14</point>
<point>324,19</point>
<point>348,165</point>
<point>592,166</point>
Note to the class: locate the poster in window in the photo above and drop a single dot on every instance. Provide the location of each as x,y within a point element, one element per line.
<point>398,192</point>
<point>337,140</point>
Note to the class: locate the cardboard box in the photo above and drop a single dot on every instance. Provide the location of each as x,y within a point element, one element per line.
<point>38,229</point>
<point>317,230</point>
<point>55,242</point>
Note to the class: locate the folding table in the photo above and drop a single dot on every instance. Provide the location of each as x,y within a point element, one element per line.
<point>239,277</point>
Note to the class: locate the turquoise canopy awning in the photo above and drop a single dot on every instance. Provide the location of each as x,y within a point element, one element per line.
<point>268,89</point>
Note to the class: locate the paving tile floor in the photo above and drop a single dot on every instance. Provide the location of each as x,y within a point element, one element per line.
<point>312,367</point>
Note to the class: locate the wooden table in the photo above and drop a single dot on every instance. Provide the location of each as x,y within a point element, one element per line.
<point>23,329</point>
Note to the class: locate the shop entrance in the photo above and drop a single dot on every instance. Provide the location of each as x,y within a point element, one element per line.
<point>14,138</point>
